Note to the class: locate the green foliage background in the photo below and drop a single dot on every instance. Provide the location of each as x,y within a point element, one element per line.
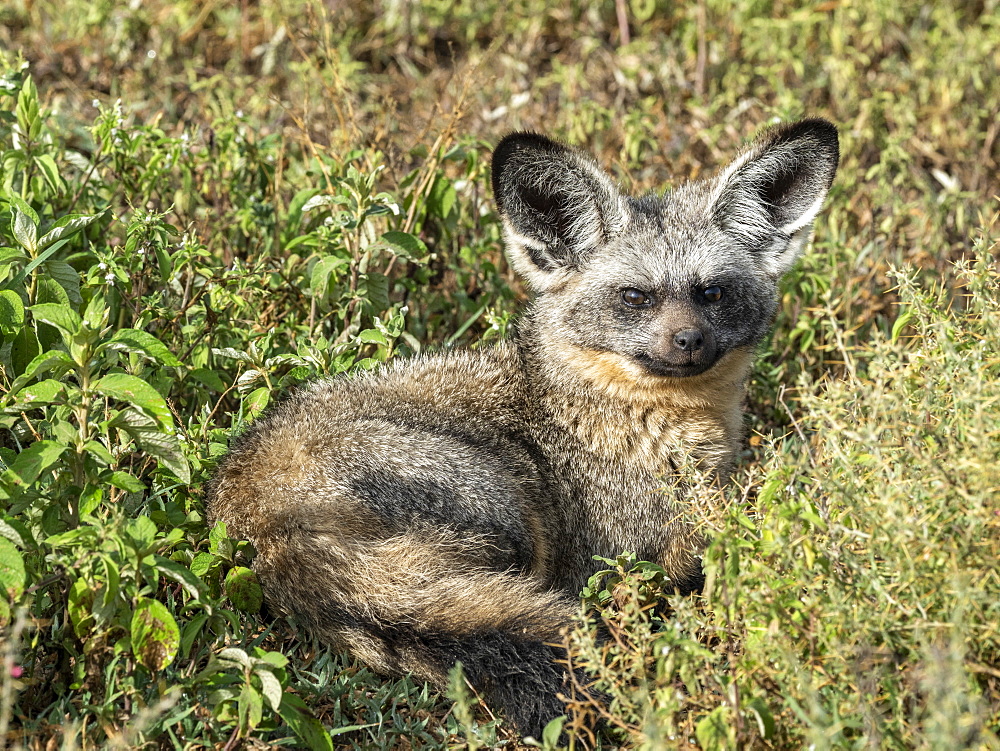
<point>203,204</point>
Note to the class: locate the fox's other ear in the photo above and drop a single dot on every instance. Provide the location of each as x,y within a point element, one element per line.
<point>556,204</point>
<point>768,198</point>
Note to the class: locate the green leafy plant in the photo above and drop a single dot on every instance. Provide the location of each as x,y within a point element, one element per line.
<point>202,206</point>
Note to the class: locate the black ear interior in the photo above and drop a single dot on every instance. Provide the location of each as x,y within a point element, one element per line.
<point>775,192</point>
<point>519,147</point>
<point>542,204</point>
<point>552,209</point>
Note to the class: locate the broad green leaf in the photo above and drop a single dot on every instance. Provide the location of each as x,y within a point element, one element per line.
<point>712,731</point>
<point>183,576</point>
<point>12,255</point>
<point>11,311</point>
<point>12,534</point>
<point>201,563</point>
<point>296,376</point>
<point>50,292</point>
<point>374,288</point>
<point>283,359</point>
<point>311,241</point>
<point>256,402</point>
<point>79,537</point>
<point>244,590</point>
<point>63,317</point>
<point>143,343</point>
<point>274,658</point>
<point>232,354</point>
<point>24,348</point>
<point>270,687</point>
<point>95,315</point>
<point>164,262</point>
<point>322,276</point>
<point>219,699</point>
<point>27,110</point>
<point>765,720</point>
<point>318,202</point>
<point>112,583</point>
<point>47,166</point>
<point>442,197</point>
<point>125,481</point>
<point>19,204</point>
<point>367,363</point>
<point>67,277</point>
<point>294,213</point>
<point>172,537</point>
<point>552,731</point>
<point>163,446</point>
<point>155,635</point>
<point>208,378</point>
<point>137,392</point>
<point>12,576</point>
<point>100,451</point>
<point>251,707</point>
<point>67,226</point>
<point>901,323</point>
<point>141,532</point>
<point>34,460</point>
<point>373,336</point>
<point>247,379</point>
<point>90,499</point>
<point>773,486</point>
<point>404,244</point>
<point>307,728</point>
<point>24,231</point>
<point>80,606</point>
<point>218,537</point>
<point>49,391</point>
<point>235,655</point>
<point>23,224</point>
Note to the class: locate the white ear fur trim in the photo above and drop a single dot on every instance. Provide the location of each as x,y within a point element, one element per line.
<point>722,180</point>
<point>783,253</point>
<point>807,216</point>
<point>538,279</point>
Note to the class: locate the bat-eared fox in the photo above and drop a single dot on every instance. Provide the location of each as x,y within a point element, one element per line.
<point>448,507</point>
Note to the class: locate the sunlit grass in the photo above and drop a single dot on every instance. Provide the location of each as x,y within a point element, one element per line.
<point>285,189</point>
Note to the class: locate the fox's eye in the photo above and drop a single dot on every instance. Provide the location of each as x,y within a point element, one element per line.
<point>713,293</point>
<point>635,298</point>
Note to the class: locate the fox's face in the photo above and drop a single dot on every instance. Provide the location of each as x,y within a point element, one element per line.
<point>667,285</point>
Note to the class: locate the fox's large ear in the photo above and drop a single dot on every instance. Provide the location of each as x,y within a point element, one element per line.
<point>556,204</point>
<point>768,198</point>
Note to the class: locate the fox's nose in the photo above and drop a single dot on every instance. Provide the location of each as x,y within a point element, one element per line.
<point>689,340</point>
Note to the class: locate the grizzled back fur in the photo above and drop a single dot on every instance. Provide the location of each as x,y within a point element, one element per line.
<point>447,508</point>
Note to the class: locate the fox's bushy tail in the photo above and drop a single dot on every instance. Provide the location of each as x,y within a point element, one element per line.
<point>420,602</point>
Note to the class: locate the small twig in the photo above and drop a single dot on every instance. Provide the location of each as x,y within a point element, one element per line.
<point>699,71</point>
<point>841,346</point>
<point>44,583</point>
<point>479,698</point>
<point>86,179</point>
<point>796,425</point>
<point>233,740</point>
<point>35,433</point>
<point>219,404</point>
<point>590,701</point>
<point>622,11</point>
